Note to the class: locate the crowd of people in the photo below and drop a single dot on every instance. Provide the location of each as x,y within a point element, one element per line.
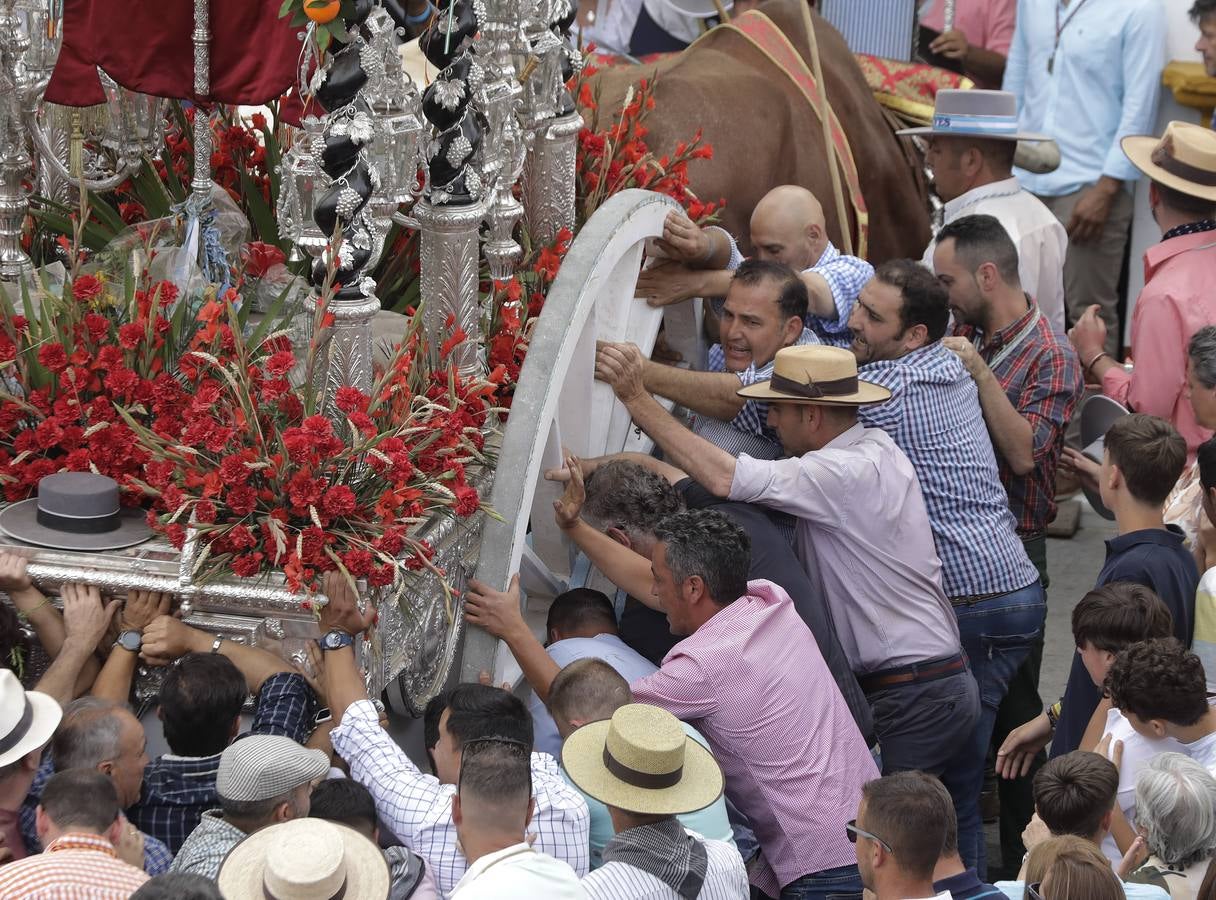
<point>831,583</point>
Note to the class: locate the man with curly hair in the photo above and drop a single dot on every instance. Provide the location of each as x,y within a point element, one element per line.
<point>1161,689</point>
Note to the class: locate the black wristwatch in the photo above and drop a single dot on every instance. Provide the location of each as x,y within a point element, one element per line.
<point>335,640</point>
<point>130,640</point>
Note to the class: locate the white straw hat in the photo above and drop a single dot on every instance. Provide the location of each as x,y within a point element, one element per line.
<point>304,859</point>
<point>27,719</point>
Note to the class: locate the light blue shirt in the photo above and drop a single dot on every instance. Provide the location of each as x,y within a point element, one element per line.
<point>1104,85</point>
<point>710,822</point>
<point>608,647</point>
<point>1015,890</point>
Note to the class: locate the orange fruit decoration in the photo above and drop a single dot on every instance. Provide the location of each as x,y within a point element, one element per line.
<point>322,13</point>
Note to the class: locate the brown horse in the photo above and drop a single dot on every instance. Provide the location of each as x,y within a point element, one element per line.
<point>765,133</point>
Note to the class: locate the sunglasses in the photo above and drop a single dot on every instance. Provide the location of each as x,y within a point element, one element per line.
<point>853,833</point>
<point>1032,891</point>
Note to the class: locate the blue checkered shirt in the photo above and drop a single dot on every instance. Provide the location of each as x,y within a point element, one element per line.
<point>934,416</point>
<point>179,789</point>
<point>156,855</point>
<point>845,275</point>
<point>748,431</point>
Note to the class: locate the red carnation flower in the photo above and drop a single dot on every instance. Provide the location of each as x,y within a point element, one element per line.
<point>339,500</point>
<point>53,357</point>
<point>130,335</point>
<point>86,288</point>
<point>281,363</point>
<point>357,562</point>
<point>248,564</point>
<point>204,511</point>
<point>242,500</point>
<point>467,501</point>
<point>350,400</point>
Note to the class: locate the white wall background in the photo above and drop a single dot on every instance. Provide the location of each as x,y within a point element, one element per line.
<point>1145,233</point>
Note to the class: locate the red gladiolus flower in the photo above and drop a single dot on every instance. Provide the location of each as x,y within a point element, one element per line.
<point>261,258</point>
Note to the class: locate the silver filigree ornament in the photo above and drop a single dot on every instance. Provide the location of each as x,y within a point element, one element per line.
<point>362,129</point>
<point>449,94</point>
<point>458,150</point>
<point>348,202</point>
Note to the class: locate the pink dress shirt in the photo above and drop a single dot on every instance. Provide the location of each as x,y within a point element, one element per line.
<point>984,23</point>
<point>1177,300</point>
<point>863,526</point>
<point>753,682</point>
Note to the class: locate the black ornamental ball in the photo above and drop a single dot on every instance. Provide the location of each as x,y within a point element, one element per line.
<point>447,97</point>
<point>343,274</point>
<point>339,154</point>
<point>343,200</point>
<point>343,81</point>
<point>456,192</point>
<point>362,9</point>
<point>442,42</point>
<point>454,149</point>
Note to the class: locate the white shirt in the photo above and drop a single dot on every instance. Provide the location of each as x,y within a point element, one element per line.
<point>417,808</point>
<point>1137,750</point>
<point>1203,751</point>
<point>725,879</point>
<point>1041,240</point>
<point>518,873</point>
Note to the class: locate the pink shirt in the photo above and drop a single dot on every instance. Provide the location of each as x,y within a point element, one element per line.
<point>863,527</point>
<point>984,23</point>
<point>753,682</point>
<point>1177,300</point>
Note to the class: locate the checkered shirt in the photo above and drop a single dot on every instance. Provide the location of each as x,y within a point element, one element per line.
<point>156,855</point>
<point>417,808</point>
<point>204,850</point>
<point>845,275</point>
<point>76,865</point>
<point>1043,382</point>
<point>725,878</point>
<point>747,432</point>
<point>934,416</point>
<point>177,789</point>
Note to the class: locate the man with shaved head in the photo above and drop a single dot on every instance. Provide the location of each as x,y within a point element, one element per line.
<point>787,226</point>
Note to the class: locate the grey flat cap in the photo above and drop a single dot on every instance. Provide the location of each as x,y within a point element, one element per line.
<point>263,766</point>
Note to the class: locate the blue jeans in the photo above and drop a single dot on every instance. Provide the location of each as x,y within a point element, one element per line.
<point>843,883</point>
<point>997,635</point>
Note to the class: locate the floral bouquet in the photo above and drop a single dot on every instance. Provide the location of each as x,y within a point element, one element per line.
<point>268,480</point>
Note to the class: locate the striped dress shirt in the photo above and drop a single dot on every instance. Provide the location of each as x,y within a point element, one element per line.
<point>417,807</point>
<point>934,416</point>
<point>753,682</point>
<point>878,27</point>
<point>725,879</point>
<point>73,867</point>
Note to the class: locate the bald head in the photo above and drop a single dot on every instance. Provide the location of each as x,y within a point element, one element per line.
<point>788,226</point>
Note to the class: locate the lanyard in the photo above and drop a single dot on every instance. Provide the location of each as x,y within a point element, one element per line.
<point>1051,63</point>
<point>1014,342</point>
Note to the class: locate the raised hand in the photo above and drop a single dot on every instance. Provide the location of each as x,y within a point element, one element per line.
<point>569,506</point>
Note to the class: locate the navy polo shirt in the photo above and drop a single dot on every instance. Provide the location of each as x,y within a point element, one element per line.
<point>1157,559</point>
<point>967,886</point>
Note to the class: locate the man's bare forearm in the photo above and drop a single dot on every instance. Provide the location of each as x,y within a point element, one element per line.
<point>819,293</point>
<point>713,394</point>
<point>61,678</point>
<point>712,466</point>
<point>626,569</point>
<point>984,65</point>
<point>1012,435</point>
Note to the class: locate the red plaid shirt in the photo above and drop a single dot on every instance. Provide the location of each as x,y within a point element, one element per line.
<point>1042,379</point>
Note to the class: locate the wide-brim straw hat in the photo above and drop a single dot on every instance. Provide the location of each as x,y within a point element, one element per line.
<point>1098,413</point>
<point>989,115</point>
<point>304,859</point>
<point>816,374</point>
<point>27,719</point>
<point>1184,158</point>
<point>642,761</point>
<point>75,511</point>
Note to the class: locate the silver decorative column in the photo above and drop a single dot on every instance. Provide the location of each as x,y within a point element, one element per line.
<point>449,278</point>
<point>15,164</point>
<point>548,185</point>
<point>553,125</point>
<point>200,183</point>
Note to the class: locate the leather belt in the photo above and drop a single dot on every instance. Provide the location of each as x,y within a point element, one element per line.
<point>915,674</point>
